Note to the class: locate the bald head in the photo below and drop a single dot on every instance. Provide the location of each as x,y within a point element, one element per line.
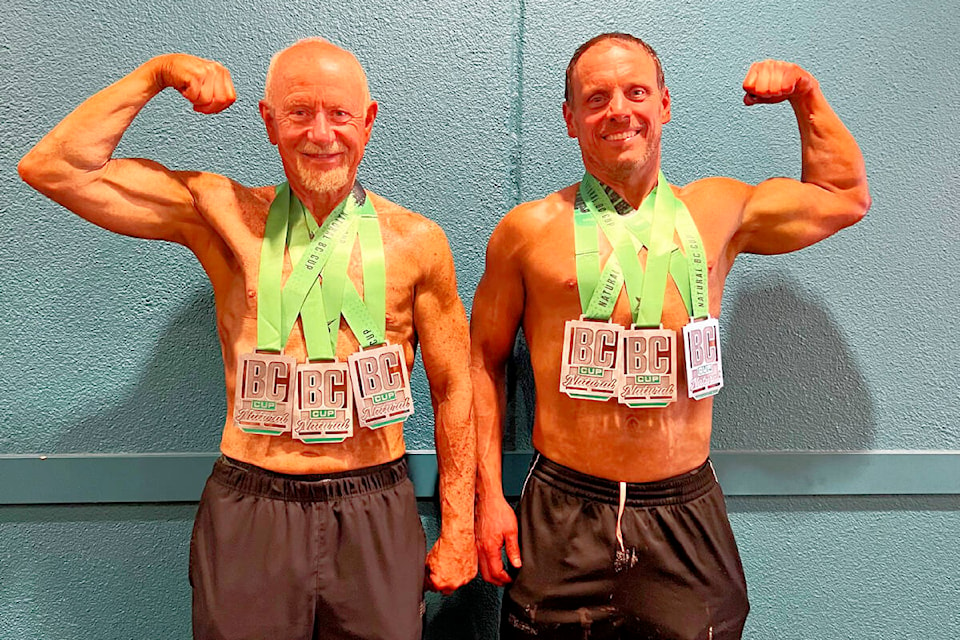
<point>317,53</point>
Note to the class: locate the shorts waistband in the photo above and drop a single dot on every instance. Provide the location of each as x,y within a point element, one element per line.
<point>676,490</point>
<point>321,487</point>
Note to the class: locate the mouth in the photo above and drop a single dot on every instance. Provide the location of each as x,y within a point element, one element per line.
<point>621,136</point>
<point>317,152</point>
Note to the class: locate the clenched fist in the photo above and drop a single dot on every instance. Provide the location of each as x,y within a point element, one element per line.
<point>773,81</point>
<point>205,83</point>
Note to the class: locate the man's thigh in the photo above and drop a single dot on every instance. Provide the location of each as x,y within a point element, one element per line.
<point>252,567</point>
<point>373,586</point>
<point>687,582</point>
<point>568,547</point>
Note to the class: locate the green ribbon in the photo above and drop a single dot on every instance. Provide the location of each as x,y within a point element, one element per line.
<point>651,226</point>
<point>320,252</point>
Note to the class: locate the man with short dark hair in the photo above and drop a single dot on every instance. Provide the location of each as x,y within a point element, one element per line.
<point>617,282</point>
<point>308,526</point>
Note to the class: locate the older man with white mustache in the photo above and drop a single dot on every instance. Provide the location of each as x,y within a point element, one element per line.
<point>308,526</point>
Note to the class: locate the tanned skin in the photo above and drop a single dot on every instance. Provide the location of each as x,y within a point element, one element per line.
<point>616,112</point>
<point>319,114</point>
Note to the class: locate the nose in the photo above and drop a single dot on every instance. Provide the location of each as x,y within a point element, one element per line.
<point>617,108</point>
<point>321,132</point>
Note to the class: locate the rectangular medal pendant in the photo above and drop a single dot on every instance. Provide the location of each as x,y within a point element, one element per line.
<point>648,367</point>
<point>701,346</point>
<point>381,386</point>
<point>588,365</point>
<point>323,406</point>
<point>264,396</point>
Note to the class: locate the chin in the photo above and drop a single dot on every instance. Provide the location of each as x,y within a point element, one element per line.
<point>324,181</point>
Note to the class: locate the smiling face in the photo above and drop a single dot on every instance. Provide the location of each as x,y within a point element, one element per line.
<point>616,111</point>
<point>318,113</point>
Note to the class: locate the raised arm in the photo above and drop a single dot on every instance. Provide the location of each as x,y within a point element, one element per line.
<point>497,314</point>
<point>441,324</point>
<point>73,164</point>
<point>781,214</point>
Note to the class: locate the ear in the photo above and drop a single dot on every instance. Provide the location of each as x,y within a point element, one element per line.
<point>568,118</point>
<point>372,109</point>
<point>269,122</point>
<point>665,107</point>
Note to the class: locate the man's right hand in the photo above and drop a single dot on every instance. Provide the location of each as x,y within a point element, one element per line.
<point>205,83</point>
<point>496,528</point>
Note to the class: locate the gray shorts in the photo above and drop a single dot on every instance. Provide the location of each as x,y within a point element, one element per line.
<point>664,566</point>
<point>276,556</point>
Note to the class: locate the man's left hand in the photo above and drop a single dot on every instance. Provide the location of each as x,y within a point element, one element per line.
<point>773,81</point>
<point>451,563</point>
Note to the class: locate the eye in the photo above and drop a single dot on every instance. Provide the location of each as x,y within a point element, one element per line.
<point>298,113</point>
<point>340,116</point>
<point>596,99</point>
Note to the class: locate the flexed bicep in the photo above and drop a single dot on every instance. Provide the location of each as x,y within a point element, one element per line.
<point>74,165</point>
<point>781,214</point>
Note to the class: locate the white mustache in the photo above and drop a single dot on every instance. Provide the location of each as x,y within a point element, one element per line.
<point>336,147</point>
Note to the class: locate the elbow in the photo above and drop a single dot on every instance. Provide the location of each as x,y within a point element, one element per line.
<point>30,169</point>
<point>862,205</point>
<point>39,171</point>
<point>858,203</point>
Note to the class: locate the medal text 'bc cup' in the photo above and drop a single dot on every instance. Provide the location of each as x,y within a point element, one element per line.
<point>648,368</point>
<point>263,400</point>
<point>323,409</point>
<point>588,367</point>
<point>701,346</point>
<point>381,385</point>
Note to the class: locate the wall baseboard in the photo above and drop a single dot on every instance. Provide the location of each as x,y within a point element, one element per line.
<point>179,477</point>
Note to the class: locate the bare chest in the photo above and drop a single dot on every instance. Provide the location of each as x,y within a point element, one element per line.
<point>556,286</point>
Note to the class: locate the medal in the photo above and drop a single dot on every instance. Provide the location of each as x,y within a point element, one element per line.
<point>314,400</point>
<point>323,407</point>
<point>648,368</point>
<point>381,385</point>
<point>701,346</point>
<point>588,368</point>
<point>264,393</point>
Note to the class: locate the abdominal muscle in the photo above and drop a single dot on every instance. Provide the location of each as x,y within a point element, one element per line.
<point>610,440</point>
<point>285,454</point>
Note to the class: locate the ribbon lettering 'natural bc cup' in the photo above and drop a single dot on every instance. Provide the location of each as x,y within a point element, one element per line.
<point>644,372</point>
<point>319,404</point>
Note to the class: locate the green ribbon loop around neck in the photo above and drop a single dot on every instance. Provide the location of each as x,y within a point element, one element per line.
<point>318,287</point>
<point>629,231</point>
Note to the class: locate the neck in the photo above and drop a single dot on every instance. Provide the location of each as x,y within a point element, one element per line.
<point>321,203</point>
<point>633,184</point>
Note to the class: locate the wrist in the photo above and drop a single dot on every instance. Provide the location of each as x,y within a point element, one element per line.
<point>157,72</point>
<point>806,93</point>
<point>488,487</point>
<point>457,532</point>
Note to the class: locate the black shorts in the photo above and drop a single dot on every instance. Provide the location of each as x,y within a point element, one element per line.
<point>277,556</point>
<point>676,575</point>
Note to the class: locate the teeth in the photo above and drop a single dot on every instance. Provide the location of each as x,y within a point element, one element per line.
<point>623,135</point>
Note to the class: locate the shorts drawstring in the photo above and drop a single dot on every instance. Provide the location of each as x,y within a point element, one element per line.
<point>623,502</point>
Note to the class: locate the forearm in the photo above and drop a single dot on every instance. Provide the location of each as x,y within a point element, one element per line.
<point>831,158</point>
<point>456,447</point>
<point>85,140</point>
<point>489,394</point>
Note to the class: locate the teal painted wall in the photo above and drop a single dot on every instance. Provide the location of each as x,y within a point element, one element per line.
<point>108,343</point>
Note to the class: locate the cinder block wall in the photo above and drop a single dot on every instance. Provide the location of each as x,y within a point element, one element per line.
<point>108,343</point>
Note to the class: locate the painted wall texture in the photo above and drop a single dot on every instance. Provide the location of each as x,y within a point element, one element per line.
<point>109,344</point>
